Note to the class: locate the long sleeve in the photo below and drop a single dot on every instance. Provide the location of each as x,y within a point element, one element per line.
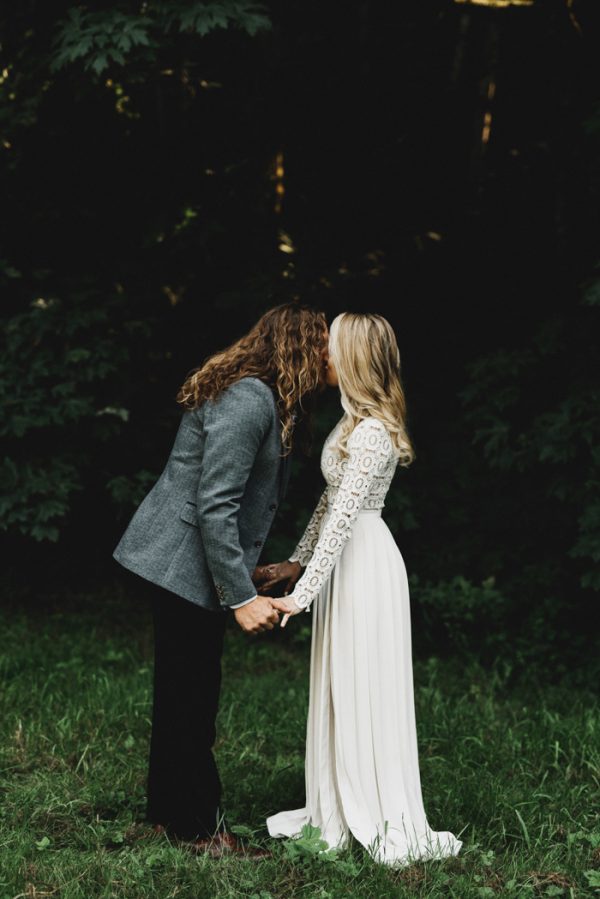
<point>369,450</point>
<point>308,540</point>
<point>244,409</point>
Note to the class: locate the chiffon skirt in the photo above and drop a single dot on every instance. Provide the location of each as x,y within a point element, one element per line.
<point>362,765</point>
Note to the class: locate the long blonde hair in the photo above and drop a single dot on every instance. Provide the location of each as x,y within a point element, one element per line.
<point>284,349</point>
<point>365,353</point>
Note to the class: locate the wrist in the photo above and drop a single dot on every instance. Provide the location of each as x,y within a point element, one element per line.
<point>245,602</point>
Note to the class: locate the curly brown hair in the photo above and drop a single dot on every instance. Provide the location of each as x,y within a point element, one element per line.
<point>284,349</point>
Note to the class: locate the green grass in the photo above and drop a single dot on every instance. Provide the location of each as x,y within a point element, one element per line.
<point>513,768</point>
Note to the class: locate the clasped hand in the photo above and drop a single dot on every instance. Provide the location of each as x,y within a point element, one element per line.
<point>262,614</point>
<point>285,573</point>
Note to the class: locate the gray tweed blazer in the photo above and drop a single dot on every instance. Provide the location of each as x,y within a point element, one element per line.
<point>200,530</point>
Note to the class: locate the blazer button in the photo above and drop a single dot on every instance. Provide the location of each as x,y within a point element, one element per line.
<point>272,507</point>
<point>258,542</point>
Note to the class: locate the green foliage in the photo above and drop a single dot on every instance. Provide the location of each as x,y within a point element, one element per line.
<point>99,38</point>
<point>591,290</point>
<point>593,878</point>
<point>106,37</point>
<point>53,356</point>
<point>128,492</point>
<point>36,495</point>
<point>75,356</point>
<point>535,413</point>
<point>75,711</point>
<point>472,620</point>
<point>55,362</point>
<point>309,845</point>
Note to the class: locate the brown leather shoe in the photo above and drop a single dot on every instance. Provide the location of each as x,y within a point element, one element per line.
<point>224,844</point>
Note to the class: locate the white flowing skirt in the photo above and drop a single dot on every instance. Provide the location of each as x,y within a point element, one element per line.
<point>362,764</point>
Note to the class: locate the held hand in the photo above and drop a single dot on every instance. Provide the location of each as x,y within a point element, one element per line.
<point>256,616</point>
<point>267,576</point>
<point>288,607</point>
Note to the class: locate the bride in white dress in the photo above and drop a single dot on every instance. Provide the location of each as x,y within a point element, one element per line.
<point>362,766</point>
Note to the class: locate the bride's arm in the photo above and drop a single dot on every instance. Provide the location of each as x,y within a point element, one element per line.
<point>268,576</point>
<point>369,449</point>
<point>308,540</point>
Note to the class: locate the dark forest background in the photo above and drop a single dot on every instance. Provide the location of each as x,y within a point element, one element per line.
<point>171,169</point>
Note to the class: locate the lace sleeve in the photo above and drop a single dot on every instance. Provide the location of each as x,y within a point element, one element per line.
<point>369,448</point>
<point>308,540</point>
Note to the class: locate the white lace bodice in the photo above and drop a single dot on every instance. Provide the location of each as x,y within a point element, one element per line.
<point>358,482</point>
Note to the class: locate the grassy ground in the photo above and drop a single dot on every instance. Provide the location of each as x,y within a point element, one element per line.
<point>513,768</point>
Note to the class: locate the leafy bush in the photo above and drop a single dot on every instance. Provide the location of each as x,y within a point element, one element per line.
<point>463,617</point>
<point>117,36</point>
<point>536,414</point>
<point>57,358</point>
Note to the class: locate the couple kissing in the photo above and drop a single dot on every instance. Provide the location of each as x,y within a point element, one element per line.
<point>196,539</point>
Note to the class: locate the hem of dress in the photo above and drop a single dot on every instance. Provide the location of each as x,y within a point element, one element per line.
<point>437,850</point>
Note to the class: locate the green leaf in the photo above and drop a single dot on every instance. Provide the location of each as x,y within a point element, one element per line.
<point>309,845</point>
<point>592,877</point>
<point>242,830</point>
<point>99,63</point>
<point>78,355</point>
<point>117,56</point>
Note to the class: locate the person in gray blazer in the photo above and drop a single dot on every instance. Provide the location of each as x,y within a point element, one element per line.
<point>195,540</point>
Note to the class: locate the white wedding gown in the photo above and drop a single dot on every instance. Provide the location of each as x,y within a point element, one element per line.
<point>362,765</point>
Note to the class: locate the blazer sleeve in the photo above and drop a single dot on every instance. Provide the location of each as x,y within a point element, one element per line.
<point>235,425</point>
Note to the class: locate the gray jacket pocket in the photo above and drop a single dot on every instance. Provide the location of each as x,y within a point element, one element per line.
<point>189,514</point>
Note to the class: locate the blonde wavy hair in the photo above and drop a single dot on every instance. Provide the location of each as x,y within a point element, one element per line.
<point>365,353</point>
<point>284,349</point>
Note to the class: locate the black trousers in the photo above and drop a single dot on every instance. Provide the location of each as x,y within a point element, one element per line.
<point>184,789</point>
